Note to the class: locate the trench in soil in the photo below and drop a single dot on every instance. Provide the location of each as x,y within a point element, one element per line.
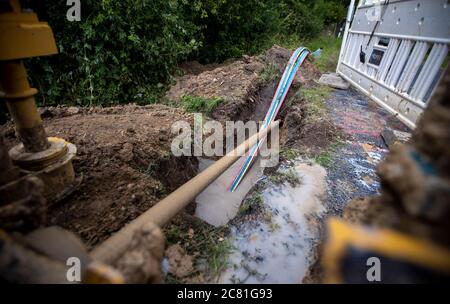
<point>273,246</point>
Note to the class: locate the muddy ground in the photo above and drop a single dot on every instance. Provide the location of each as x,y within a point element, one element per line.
<point>247,88</point>
<point>124,164</point>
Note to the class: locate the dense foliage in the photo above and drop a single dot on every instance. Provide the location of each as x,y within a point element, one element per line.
<point>228,28</point>
<point>118,52</point>
<point>126,51</point>
<point>308,18</point>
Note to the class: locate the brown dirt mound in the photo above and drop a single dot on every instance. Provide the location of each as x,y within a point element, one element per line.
<point>240,84</point>
<point>234,83</point>
<point>125,162</point>
<point>310,135</point>
<point>195,67</point>
<point>278,56</point>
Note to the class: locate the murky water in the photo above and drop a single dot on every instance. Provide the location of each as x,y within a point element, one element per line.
<point>216,205</point>
<point>279,250</point>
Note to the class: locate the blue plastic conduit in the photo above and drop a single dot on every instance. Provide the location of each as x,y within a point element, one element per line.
<point>296,60</point>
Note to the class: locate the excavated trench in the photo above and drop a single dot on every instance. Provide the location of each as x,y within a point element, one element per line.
<point>124,164</point>
<point>274,241</point>
<point>281,230</point>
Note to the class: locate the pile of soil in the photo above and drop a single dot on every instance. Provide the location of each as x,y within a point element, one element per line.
<point>246,96</point>
<point>239,84</point>
<point>235,83</point>
<point>299,131</point>
<point>278,57</point>
<point>195,67</point>
<point>123,159</point>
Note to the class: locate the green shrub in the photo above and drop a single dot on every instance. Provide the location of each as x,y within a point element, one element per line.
<point>121,51</point>
<point>306,19</point>
<point>330,11</point>
<point>231,28</point>
<point>298,18</point>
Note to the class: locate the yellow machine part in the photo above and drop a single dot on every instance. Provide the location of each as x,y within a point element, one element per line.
<point>384,243</point>
<point>23,36</point>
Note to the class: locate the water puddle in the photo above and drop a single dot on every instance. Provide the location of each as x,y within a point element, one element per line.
<point>279,250</point>
<point>216,205</point>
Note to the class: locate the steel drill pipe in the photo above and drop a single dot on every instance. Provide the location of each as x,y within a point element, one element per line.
<point>19,98</point>
<point>166,209</point>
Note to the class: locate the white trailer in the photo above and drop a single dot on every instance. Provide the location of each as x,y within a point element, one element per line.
<point>395,51</point>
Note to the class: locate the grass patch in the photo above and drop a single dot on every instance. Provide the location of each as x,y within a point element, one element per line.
<point>269,73</point>
<point>316,97</point>
<point>292,177</point>
<point>289,176</point>
<point>205,243</point>
<point>325,158</point>
<point>253,202</point>
<point>331,47</point>
<point>268,218</point>
<point>196,104</point>
<point>288,153</point>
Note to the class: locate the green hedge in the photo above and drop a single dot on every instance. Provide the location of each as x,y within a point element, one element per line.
<point>230,28</point>
<point>119,52</point>
<point>126,50</point>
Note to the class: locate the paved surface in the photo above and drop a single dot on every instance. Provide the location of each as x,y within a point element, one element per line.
<point>353,170</point>
<point>333,80</point>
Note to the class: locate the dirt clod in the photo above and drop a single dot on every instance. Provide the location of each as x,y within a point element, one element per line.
<point>180,263</point>
<point>141,263</point>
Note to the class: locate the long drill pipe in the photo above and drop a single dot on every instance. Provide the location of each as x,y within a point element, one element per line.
<point>166,209</point>
<point>21,104</point>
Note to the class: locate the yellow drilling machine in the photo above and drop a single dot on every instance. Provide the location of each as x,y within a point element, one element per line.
<point>36,171</point>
